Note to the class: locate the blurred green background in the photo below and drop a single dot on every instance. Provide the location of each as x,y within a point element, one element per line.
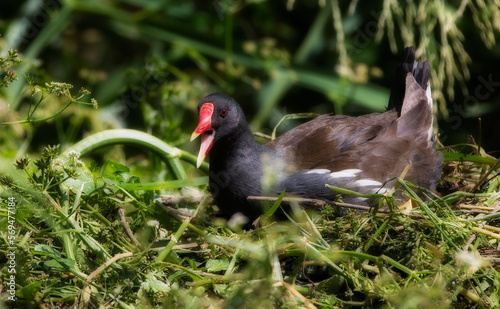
<point>148,63</point>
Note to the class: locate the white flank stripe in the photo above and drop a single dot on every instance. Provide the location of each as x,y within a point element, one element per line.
<point>381,190</point>
<point>318,171</point>
<point>428,93</point>
<point>366,183</point>
<point>358,200</point>
<point>350,173</point>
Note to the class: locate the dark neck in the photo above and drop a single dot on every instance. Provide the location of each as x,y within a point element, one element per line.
<point>236,173</point>
<point>239,147</point>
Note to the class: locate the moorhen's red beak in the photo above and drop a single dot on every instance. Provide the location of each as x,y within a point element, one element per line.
<point>205,129</point>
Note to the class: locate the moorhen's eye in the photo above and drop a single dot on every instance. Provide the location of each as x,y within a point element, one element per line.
<point>223,113</point>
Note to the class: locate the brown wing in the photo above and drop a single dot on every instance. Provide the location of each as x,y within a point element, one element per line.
<point>381,145</point>
<point>321,142</point>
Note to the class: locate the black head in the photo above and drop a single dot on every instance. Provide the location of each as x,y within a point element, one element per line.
<point>220,118</point>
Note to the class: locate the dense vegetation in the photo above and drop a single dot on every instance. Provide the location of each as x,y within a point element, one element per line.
<point>102,206</point>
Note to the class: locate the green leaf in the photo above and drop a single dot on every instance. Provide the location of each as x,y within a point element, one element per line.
<point>153,285</point>
<point>112,167</point>
<point>217,265</point>
<point>83,183</point>
<point>29,291</point>
<point>58,264</point>
<point>332,285</point>
<point>192,263</point>
<point>47,251</point>
<point>220,288</point>
<point>64,291</point>
<point>61,265</point>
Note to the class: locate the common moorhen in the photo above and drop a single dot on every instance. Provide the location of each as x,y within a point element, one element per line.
<point>363,153</point>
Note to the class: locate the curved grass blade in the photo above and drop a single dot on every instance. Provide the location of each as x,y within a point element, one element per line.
<point>160,185</point>
<point>170,155</point>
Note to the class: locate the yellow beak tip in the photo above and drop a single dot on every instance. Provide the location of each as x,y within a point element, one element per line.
<point>194,136</point>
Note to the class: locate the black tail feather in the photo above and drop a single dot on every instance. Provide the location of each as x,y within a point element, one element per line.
<point>420,70</point>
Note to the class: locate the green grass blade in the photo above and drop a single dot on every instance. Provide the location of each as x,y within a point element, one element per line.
<point>353,193</point>
<point>161,185</point>
<point>275,206</point>
<point>170,155</point>
<point>463,157</point>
